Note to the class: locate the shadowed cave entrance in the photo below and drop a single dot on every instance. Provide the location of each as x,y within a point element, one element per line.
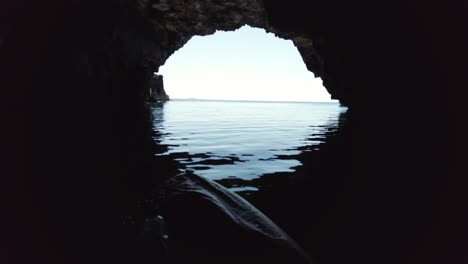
<point>256,149</point>
<point>272,108</point>
<point>286,191</point>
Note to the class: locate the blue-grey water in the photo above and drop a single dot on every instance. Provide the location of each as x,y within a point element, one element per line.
<point>241,140</point>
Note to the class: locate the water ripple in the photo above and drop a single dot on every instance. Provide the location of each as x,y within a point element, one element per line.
<point>238,140</point>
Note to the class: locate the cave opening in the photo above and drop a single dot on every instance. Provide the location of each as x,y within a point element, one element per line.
<point>243,106</point>
<point>245,64</point>
<point>246,112</point>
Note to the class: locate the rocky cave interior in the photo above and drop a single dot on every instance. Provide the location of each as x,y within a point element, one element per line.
<point>75,77</point>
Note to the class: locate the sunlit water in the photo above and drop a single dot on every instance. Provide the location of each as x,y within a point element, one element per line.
<point>243,140</point>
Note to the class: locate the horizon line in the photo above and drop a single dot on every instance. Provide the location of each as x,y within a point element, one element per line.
<point>257,101</point>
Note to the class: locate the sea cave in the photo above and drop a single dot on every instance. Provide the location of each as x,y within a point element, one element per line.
<point>83,183</point>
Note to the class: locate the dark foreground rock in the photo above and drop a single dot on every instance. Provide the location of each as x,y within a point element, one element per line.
<point>210,224</point>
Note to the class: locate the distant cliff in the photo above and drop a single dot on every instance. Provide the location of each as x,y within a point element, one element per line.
<point>156,91</point>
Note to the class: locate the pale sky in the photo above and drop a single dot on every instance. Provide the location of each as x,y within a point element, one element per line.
<point>246,64</point>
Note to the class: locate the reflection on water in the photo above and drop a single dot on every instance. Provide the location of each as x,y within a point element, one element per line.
<point>236,143</point>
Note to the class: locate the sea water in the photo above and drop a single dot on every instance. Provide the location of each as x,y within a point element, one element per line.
<point>242,139</point>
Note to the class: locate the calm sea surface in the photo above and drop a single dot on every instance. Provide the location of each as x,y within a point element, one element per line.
<point>241,140</point>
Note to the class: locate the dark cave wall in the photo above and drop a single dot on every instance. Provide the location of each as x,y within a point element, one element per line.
<point>74,74</point>
<point>176,21</point>
<point>78,141</point>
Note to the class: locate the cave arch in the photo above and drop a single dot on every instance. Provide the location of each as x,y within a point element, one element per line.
<point>176,22</point>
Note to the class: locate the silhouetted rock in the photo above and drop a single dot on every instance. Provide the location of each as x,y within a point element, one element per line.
<point>157,92</point>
